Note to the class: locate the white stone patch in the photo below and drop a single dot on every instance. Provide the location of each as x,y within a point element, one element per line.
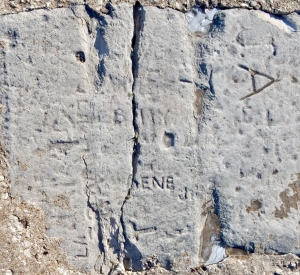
<point>275,21</point>
<point>217,254</point>
<point>200,21</point>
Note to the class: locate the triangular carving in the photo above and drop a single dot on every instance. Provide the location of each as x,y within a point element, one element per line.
<point>254,73</point>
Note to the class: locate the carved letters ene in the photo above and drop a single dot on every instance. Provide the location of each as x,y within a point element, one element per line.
<point>155,182</point>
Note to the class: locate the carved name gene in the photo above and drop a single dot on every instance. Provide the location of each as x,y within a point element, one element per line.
<point>155,182</point>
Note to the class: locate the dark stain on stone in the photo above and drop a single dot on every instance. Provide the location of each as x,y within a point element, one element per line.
<point>294,79</point>
<point>237,253</point>
<point>275,172</point>
<point>199,101</point>
<point>241,173</point>
<point>289,202</point>
<point>207,208</point>
<point>211,228</point>
<point>255,205</point>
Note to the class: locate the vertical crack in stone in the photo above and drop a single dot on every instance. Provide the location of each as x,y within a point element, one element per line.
<point>138,18</point>
<point>90,206</point>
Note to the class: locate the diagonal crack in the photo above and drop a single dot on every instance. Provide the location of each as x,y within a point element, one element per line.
<point>90,206</point>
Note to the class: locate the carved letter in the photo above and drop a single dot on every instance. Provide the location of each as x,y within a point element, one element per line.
<point>145,183</point>
<point>161,185</point>
<point>170,183</point>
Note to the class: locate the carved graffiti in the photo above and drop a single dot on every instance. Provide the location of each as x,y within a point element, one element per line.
<point>157,183</point>
<point>253,73</point>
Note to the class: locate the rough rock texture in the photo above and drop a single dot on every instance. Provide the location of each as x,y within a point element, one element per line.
<point>25,248</point>
<point>167,193</point>
<point>243,149</point>
<point>65,86</point>
<point>252,116</point>
<point>273,6</point>
<point>241,265</point>
<point>145,145</point>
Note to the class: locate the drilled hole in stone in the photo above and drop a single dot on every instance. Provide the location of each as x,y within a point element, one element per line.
<point>80,56</point>
<point>169,139</point>
<point>275,172</point>
<point>241,174</point>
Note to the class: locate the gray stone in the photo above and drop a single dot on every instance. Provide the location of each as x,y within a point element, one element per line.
<point>163,213</point>
<point>240,144</point>
<point>130,133</point>
<point>65,81</point>
<point>250,67</point>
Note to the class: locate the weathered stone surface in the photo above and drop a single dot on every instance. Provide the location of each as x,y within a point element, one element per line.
<point>272,6</point>
<point>234,150</point>
<point>163,214</point>
<point>239,264</point>
<point>129,136</point>
<point>249,66</point>
<point>65,82</point>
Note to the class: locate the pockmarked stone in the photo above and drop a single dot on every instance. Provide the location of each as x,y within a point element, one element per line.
<point>65,79</point>
<point>236,146</point>
<point>163,216</point>
<point>250,67</point>
<point>145,144</point>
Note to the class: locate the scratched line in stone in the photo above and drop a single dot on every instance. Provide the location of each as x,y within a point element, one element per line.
<point>253,73</point>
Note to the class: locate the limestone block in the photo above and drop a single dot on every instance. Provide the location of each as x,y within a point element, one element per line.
<point>249,69</point>
<point>65,79</point>
<point>162,215</point>
<point>142,142</point>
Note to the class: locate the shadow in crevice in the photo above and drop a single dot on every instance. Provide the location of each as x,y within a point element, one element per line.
<point>103,52</point>
<point>249,247</point>
<point>133,257</point>
<point>100,43</point>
